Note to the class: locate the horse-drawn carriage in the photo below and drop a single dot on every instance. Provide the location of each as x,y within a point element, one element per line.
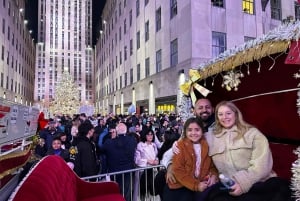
<point>260,77</point>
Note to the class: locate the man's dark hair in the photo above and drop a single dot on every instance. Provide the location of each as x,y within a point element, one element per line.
<point>84,128</point>
<point>83,115</point>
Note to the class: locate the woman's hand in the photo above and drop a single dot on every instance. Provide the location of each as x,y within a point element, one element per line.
<point>236,190</point>
<point>153,162</point>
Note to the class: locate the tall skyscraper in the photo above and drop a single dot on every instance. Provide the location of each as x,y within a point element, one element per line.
<point>17,48</point>
<point>64,43</point>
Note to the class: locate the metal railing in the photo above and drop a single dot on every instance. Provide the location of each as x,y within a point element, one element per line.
<point>136,184</point>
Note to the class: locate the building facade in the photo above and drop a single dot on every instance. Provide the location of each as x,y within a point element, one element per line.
<point>64,43</point>
<point>17,63</point>
<point>146,48</point>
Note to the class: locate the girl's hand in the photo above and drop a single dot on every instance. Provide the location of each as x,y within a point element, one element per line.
<point>202,186</point>
<point>212,179</point>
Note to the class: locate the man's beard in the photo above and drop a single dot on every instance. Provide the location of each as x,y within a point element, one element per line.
<point>204,118</point>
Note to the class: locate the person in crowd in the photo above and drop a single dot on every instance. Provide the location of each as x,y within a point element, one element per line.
<point>40,149</point>
<point>99,129</point>
<point>112,133</point>
<point>86,160</point>
<point>146,155</point>
<point>56,149</point>
<point>120,153</point>
<point>138,131</point>
<point>241,152</point>
<point>42,122</point>
<point>175,127</point>
<point>159,183</point>
<point>193,168</point>
<point>146,127</point>
<point>65,143</point>
<point>164,126</point>
<point>74,129</point>
<point>49,132</point>
<point>60,125</point>
<point>105,135</point>
<point>84,119</point>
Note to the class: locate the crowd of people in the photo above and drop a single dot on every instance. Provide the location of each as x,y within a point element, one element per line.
<point>194,152</point>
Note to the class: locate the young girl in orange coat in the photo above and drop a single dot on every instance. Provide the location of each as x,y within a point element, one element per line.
<point>192,167</point>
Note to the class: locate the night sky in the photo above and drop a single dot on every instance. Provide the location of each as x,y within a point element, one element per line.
<point>32,15</point>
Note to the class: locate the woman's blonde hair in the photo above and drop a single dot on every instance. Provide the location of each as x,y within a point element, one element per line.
<point>241,125</point>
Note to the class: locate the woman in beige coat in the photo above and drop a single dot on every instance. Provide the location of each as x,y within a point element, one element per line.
<point>241,152</point>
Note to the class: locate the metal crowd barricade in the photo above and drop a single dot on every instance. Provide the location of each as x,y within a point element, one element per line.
<point>134,184</point>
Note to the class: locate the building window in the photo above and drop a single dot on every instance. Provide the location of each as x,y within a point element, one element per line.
<point>138,44</point>
<point>130,18</point>
<point>120,9</point>
<point>137,8</point>
<point>158,61</point>
<point>131,75</point>
<point>125,53</point>
<point>2,80</point>
<point>146,2</point>
<point>7,82</point>
<point>121,82</point>
<point>120,57</point>
<point>174,53</point>
<point>218,3</point>
<point>147,67</point>
<point>248,6</point>
<point>247,38</point>
<point>138,72</point>
<point>125,26</point>
<point>275,9</point>
<point>158,19</point>
<point>2,53</point>
<point>125,80</point>
<point>11,85</point>
<point>3,26</point>
<point>173,8</point>
<point>147,31</point>
<point>218,43</point>
<point>297,11</point>
<point>131,47</point>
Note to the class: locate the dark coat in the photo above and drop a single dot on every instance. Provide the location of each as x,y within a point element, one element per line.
<point>63,153</point>
<point>48,135</point>
<point>120,153</point>
<point>86,162</point>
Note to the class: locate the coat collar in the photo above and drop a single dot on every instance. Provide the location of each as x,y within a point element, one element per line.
<point>233,129</point>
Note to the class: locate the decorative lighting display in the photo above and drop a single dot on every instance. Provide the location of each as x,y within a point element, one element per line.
<point>295,180</point>
<point>66,98</point>
<point>232,80</point>
<point>297,76</point>
<point>277,41</point>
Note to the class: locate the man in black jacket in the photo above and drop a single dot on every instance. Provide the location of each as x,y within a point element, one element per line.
<point>86,160</point>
